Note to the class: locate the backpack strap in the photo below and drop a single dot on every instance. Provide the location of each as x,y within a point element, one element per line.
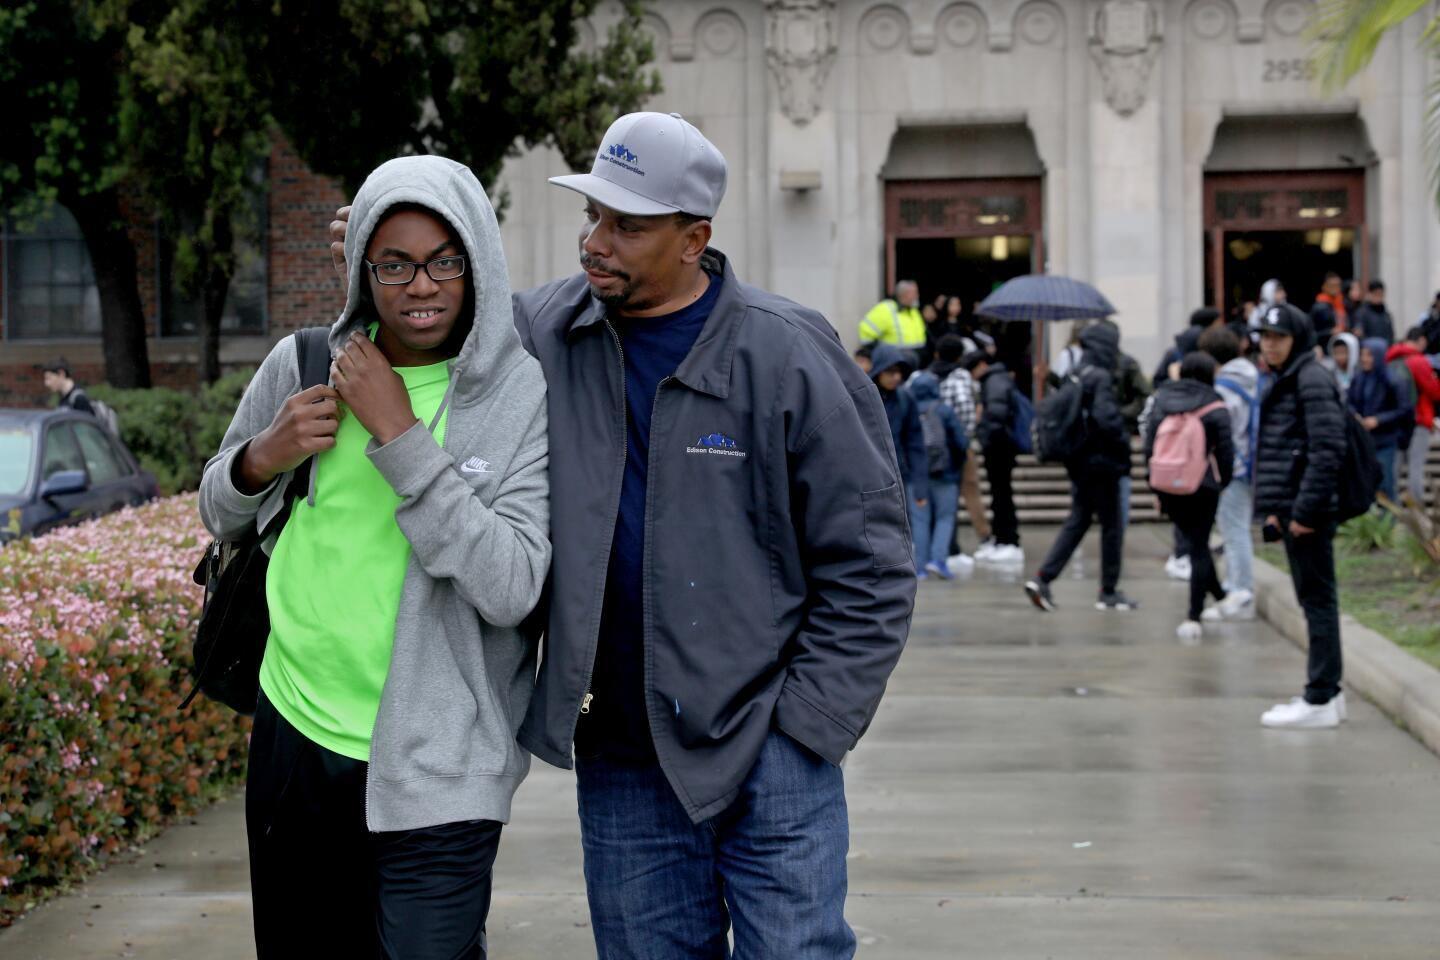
<point>312,356</point>
<point>1235,387</point>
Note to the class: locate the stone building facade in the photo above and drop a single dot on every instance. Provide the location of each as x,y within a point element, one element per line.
<point>1173,152</point>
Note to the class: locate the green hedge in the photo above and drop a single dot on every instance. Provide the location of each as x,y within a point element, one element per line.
<point>95,630</point>
<point>173,432</point>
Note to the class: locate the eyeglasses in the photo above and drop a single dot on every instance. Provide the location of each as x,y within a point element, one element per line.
<point>397,273</point>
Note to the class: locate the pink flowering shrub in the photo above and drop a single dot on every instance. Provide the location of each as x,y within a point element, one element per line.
<point>95,630</point>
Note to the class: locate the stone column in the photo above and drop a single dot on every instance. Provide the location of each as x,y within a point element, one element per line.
<point>1126,136</point>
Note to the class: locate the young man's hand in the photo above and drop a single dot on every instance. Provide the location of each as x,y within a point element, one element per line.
<point>372,390</point>
<point>337,241</point>
<point>305,424</point>
<point>1370,422</point>
<point>1298,529</point>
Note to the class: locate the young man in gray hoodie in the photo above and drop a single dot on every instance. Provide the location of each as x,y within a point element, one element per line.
<point>383,758</point>
<point>1237,382</point>
<point>733,578</point>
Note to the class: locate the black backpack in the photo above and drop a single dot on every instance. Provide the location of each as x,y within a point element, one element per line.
<point>937,442</point>
<point>235,620</point>
<point>1359,478</point>
<point>1059,432</point>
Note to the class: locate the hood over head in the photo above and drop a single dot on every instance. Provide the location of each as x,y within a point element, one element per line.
<point>924,387</point>
<point>1350,341</point>
<point>1181,396</point>
<point>1285,318</point>
<point>1378,349</point>
<point>452,192</point>
<point>1101,343</point>
<point>888,355</point>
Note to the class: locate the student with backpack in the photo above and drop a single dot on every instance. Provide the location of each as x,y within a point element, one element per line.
<point>1191,453</point>
<point>383,757</point>
<point>1375,399</point>
<point>59,380</point>
<point>1237,383</point>
<point>891,366</point>
<point>1085,409</point>
<point>945,454</point>
<point>1003,430</point>
<point>1416,379</point>
<point>957,391</point>
<point>1300,461</point>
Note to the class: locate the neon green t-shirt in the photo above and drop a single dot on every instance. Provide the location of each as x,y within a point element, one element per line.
<point>334,586</point>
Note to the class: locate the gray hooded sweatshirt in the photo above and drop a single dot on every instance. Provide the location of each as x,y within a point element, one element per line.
<point>1246,376</point>
<point>476,512</point>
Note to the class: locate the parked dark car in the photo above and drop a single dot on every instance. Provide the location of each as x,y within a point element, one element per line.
<point>60,467</point>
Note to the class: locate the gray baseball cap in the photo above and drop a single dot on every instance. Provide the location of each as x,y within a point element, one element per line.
<point>651,164</point>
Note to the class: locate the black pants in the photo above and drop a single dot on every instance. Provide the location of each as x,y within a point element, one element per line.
<point>999,467</point>
<point>323,885</point>
<point>1091,495</point>
<point>1194,517</point>
<point>1182,543</point>
<point>1312,568</point>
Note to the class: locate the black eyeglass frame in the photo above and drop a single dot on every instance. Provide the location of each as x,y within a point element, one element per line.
<point>416,267</point>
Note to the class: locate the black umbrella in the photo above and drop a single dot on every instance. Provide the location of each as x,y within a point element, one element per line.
<point>1039,296</point>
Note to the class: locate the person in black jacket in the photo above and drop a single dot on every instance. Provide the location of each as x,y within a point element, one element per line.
<point>1299,453</point>
<point>1194,513</point>
<point>1373,320</point>
<point>890,367</point>
<point>1095,474</point>
<point>994,423</point>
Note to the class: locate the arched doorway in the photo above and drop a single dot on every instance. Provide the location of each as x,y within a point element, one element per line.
<point>1285,198</point>
<point>963,214</point>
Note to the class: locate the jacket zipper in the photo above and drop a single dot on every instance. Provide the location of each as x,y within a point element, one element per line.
<point>645,571</point>
<point>614,523</point>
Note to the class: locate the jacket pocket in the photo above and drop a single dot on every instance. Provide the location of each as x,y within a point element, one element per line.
<point>887,530</point>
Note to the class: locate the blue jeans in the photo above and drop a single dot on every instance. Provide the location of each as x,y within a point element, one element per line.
<point>933,523</point>
<point>773,863</point>
<point>1236,517</point>
<point>1386,456</point>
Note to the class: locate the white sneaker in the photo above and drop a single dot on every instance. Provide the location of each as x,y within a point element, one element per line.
<point>1177,568</point>
<point>987,547</point>
<point>1340,707</point>
<point>1212,614</point>
<point>960,563</point>
<point>1300,715</point>
<point>1006,553</point>
<point>1190,631</point>
<point>1238,605</point>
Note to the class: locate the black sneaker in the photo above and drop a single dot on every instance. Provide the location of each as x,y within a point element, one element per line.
<point>1039,593</point>
<point>1115,601</point>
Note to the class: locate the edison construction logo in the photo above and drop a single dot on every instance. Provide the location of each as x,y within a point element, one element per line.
<point>717,444</point>
<point>620,155</point>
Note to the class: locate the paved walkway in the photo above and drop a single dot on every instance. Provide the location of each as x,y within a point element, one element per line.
<point>1072,786</point>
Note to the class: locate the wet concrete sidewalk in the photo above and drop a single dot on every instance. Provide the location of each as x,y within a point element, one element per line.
<point>1078,785</point>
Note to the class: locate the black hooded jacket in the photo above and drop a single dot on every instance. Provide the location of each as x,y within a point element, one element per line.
<point>996,389</point>
<point>1182,396</point>
<point>1301,443</point>
<point>1107,443</point>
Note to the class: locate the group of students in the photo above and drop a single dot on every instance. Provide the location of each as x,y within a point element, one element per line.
<point>934,413</point>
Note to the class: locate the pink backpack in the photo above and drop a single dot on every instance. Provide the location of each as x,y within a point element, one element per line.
<point>1179,460</point>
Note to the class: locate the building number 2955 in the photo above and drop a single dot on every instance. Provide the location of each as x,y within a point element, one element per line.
<point>1278,71</point>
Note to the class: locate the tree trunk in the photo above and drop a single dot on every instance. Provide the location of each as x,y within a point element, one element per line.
<point>218,269</point>
<point>112,256</point>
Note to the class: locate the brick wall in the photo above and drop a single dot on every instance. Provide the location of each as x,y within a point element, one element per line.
<point>303,289</point>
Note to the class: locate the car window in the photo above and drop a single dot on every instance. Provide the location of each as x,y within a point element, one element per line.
<point>100,458</point>
<point>15,445</point>
<point>62,451</point>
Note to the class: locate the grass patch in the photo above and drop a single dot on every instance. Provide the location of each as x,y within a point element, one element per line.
<point>1381,589</point>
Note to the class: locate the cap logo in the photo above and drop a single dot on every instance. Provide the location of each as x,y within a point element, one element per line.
<point>620,155</point>
<point>1273,317</point>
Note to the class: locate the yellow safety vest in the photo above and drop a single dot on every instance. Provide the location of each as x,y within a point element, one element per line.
<point>887,322</point>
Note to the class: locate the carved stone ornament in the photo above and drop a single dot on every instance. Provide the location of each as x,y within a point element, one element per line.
<point>800,46</point>
<point>1124,47</point>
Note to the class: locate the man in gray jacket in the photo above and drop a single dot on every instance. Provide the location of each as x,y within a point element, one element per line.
<point>383,757</point>
<point>733,578</point>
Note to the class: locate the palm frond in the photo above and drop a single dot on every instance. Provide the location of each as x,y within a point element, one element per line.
<point>1346,34</point>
